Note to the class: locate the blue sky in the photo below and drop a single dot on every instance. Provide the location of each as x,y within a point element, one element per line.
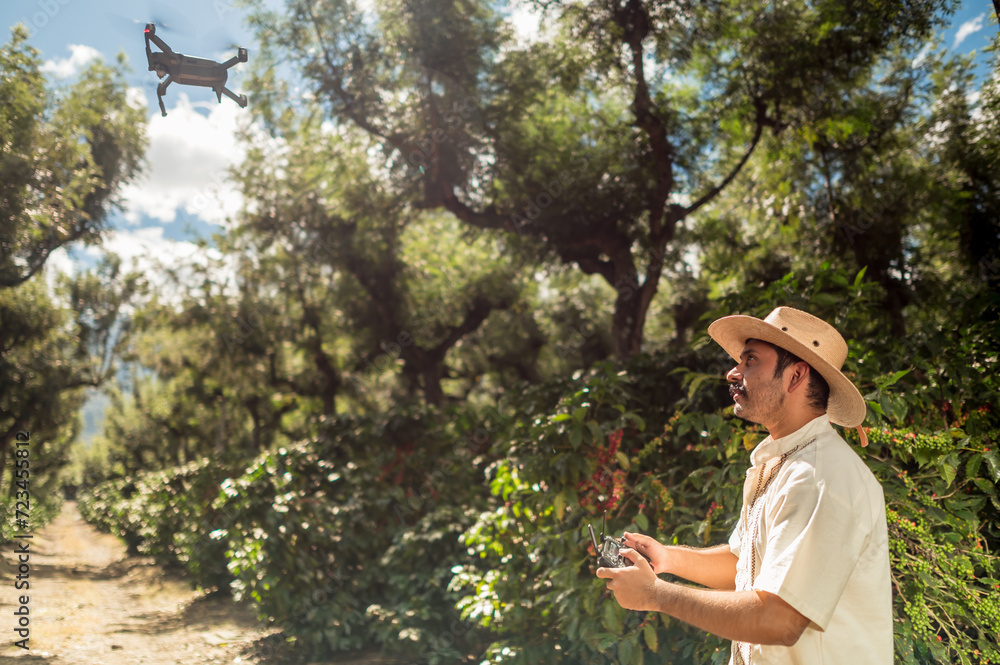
<point>184,192</point>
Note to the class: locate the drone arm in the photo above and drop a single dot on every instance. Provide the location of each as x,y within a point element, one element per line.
<point>241,56</point>
<point>159,42</point>
<point>239,99</point>
<point>160,89</point>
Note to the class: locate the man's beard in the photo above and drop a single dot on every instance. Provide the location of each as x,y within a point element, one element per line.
<point>761,405</point>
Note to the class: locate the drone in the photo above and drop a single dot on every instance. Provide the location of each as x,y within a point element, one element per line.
<point>188,70</point>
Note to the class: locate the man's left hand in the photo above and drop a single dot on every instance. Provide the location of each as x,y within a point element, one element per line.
<point>635,586</point>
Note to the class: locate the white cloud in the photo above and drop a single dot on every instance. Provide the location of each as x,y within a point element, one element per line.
<point>58,263</point>
<point>67,67</point>
<point>526,20</point>
<point>969,27</point>
<point>187,161</point>
<point>144,245</point>
<point>147,251</point>
<point>136,97</point>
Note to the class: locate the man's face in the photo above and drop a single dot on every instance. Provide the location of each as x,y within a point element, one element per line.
<point>758,396</point>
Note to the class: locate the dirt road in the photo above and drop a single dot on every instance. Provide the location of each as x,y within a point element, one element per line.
<point>91,605</point>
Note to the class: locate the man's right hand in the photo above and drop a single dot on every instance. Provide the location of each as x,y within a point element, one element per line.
<point>650,548</point>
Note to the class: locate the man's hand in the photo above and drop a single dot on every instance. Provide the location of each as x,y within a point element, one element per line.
<point>635,586</point>
<point>650,548</point>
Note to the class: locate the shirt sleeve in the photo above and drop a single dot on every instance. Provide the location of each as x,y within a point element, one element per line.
<point>736,537</point>
<point>814,538</point>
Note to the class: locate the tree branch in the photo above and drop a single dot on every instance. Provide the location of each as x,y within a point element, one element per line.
<point>474,317</point>
<point>760,121</point>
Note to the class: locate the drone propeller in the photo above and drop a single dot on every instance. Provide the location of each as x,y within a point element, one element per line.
<point>166,19</point>
<point>218,40</point>
<point>171,19</point>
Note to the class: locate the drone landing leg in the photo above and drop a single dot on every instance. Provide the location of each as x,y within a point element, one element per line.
<point>160,89</point>
<point>239,99</point>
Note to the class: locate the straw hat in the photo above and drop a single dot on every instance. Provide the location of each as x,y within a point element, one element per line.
<point>813,340</point>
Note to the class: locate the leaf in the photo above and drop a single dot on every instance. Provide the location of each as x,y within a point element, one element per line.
<point>614,617</point>
<point>695,384</point>
<point>622,459</point>
<point>750,440</point>
<point>640,424</point>
<point>576,434</point>
<point>972,466</point>
<point>985,486</point>
<point>638,655</point>
<point>892,378</point>
<point>826,299</point>
<point>595,431</point>
<point>652,640</point>
<point>625,652</point>
<point>559,503</point>
<point>641,521</point>
<point>860,277</point>
<point>877,408</point>
<point>894,407</point>
<point>994,463</point>
<point>560,417</point>
<point>948,472</point>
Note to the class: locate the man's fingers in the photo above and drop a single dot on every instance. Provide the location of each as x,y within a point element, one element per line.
<point>638,539</point>
<point>606,572</point>
<point>637,559</point>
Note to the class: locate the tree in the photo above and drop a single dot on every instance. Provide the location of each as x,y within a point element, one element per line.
<point>63,159</point>
<point>595,147</point>
<point>64,156</point>
<point>328,235</point>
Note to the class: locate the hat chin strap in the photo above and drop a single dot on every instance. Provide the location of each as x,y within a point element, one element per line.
<point>864,437</point>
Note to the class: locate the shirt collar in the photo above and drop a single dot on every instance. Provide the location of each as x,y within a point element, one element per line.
<point>770,448</point>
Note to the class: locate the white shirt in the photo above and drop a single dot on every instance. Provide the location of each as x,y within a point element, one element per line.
<point>821,545</point>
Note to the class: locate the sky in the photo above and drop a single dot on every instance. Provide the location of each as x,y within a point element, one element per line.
<point>184,193</point>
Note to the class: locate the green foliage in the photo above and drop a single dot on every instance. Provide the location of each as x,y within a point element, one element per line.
<point>64,158</point>
<point>645,443</point>
<point>373,529</point>
<point>942,506</point>
<point>663,473</point>
<point>346,541</point>
<point>65,154</point>
<point>592,145</point>
<point>168,515</point>
<point>418,243</point>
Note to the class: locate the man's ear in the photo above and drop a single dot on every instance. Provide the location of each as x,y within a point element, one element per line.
<point>799,375</point>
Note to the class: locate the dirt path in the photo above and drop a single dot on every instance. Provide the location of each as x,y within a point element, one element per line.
<point>91,605</point>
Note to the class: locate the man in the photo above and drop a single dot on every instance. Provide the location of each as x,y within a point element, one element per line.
<point>805,576</point>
